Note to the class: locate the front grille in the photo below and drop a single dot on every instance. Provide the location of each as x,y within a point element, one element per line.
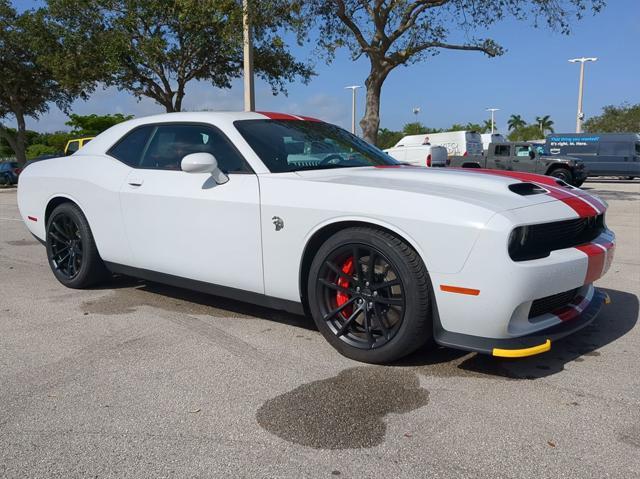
<point>537,241</point>
<point>550,303</point>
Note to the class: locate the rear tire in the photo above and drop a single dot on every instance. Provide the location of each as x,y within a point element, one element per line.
<point>353,304</point>
<point>71,250</point>
<point>562,174</point>
<point>578,184</point>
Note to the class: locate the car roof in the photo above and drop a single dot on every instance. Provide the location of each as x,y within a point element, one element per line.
<point>106,139</point>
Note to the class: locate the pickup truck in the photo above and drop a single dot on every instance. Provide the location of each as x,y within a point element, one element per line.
<point>526,157</point>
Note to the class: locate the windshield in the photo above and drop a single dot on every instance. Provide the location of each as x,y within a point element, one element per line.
<point>295,145</point>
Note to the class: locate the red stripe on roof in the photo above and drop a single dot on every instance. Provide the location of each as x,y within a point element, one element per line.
<point>309,118</point>
<point>272,115</point>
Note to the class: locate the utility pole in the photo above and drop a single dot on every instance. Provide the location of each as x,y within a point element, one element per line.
<point>353,89</point>
<point>493,110</point>
<point>580,115</point>
<point>249,90</point>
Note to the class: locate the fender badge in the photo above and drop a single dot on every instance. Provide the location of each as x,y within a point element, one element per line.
<point>277,222</point>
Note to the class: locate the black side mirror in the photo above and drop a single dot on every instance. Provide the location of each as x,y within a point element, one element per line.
<point>532,154</point>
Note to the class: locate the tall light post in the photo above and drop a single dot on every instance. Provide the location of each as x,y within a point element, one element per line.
<point>249,91</point>
<point>353,89</point>
<point>580,116</point>
<point>493,111</point>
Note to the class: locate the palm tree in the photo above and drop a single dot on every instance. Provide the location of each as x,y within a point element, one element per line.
<point>545,123</point>
<point>486,127</point>
<point>515,122</point>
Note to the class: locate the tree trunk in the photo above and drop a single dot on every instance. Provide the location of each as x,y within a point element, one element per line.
<point>21,139</point>
<point>370,122</point>
<point>177,106</point>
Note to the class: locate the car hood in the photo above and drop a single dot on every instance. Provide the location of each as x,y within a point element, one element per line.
<point>487,188</point>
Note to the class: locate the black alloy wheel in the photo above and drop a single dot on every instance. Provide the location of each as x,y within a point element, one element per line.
<point>71,250</point>
<point>66,246</point>
<point>369,294</point>
<point>362,296</point>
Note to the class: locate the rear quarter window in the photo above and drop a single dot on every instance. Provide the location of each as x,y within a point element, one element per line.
<point>131,146</point>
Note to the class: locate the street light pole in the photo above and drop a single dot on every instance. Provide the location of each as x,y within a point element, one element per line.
<point>493,110</point>
<point>353,89</point>
<point>249,91</point>
<point>580,115</point>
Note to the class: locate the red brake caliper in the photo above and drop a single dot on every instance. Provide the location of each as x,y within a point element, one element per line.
<point>341,298</point>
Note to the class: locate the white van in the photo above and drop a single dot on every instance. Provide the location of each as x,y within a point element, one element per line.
<point>420,155</point>
<point>457,143</point>
<point>488,138</point>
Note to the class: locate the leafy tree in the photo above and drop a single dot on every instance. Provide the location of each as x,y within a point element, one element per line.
<point>414,128</point>
<point>515,122</point>
<point>156,47</point>
<point>525,133</point>
<point>474,127</point>
<point>38,149</point>
<point>624,119</point>
<point>391,33</point>
<point>388,138</point>
<point>36,72</point>
<point>56,140</point>
<point>91,125</point>
<point>456,127</point>
<point>545,123</point>
<point>486,127</point>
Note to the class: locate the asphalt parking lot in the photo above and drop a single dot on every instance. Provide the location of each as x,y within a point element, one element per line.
<point>137,379</point>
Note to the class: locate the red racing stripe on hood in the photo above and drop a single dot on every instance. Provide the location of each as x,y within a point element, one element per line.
<point>578,203</point>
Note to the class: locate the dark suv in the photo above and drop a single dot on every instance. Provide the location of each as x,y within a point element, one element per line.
<point>9,171</point>
<point>527,157</point>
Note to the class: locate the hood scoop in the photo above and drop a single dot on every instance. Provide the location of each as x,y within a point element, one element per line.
<point>527,189</point>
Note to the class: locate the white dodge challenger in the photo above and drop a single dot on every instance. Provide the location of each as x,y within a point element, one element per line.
<point>293,213</point>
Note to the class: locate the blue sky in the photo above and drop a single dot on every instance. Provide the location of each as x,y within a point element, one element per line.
<point>533,78</point>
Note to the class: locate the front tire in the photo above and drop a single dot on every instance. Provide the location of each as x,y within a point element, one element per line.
<point>71,250</point>
<point>562,174</point>
<point>369,295</point>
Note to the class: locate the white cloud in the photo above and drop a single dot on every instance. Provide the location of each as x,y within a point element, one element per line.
<point>199,96</point>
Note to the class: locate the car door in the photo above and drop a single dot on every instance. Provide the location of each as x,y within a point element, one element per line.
<point>187,225</point>
<point>499,158</point>
<point>522,160</point>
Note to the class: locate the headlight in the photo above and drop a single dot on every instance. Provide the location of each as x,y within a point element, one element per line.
<point>518,240</point>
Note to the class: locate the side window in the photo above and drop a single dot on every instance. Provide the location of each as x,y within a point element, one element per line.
<point>171,143</point>
<point>72,147</point>
<point>502,150</point>
<point>522,150</point>
<point>130,148</point>
<point>614,149</point>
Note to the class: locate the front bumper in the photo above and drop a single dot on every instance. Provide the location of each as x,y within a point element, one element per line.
<point>487,304</point>
<point>527,345</point>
